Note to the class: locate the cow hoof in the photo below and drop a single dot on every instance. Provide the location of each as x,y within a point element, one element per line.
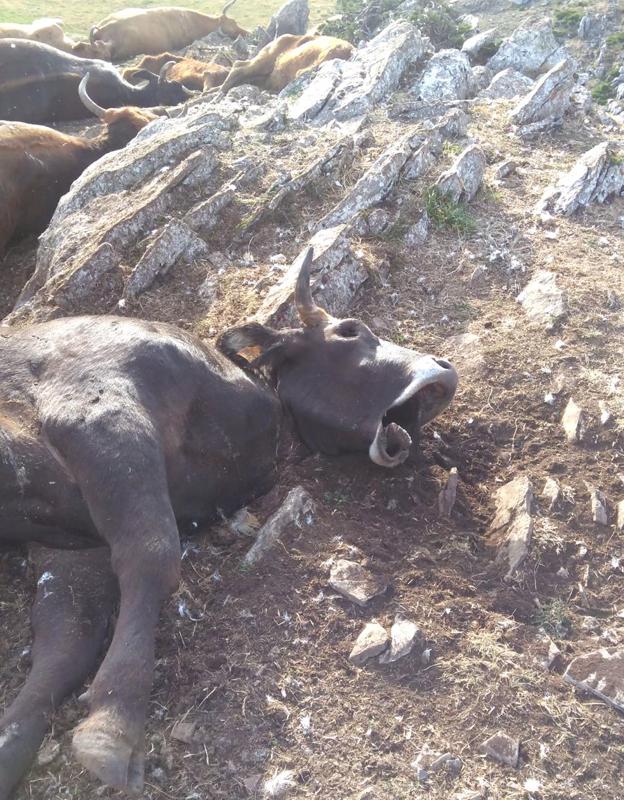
<point>104,750</point>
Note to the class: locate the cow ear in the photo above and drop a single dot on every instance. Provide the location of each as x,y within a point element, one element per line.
<point>255,344</point>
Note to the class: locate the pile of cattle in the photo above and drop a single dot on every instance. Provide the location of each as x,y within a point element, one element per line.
<point>46,78</point>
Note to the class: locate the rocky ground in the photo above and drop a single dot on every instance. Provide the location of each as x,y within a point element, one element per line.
<point>393,641</point>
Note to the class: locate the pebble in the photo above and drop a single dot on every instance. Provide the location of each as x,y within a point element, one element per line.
<point>502,748</point>
<point>573,421</point>
<point>370,643</point>
<point>355,583</point>
<point>404,634</point>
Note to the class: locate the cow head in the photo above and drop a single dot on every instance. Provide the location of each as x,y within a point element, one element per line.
<point>171,93</point>
<point>123,123</point>
<point>227,26</point>
<point>346,389</point>
<point>97,48</point>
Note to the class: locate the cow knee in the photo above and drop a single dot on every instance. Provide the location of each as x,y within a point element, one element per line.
<point>155,560</point>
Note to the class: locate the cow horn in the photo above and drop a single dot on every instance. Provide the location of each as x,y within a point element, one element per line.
<point>311,315</point>
<point>87,102</point>
<point>94,30</point>
<point>163,71</point>
<point>227,7</point>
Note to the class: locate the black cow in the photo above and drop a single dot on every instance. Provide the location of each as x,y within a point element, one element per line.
<point>114,431</point>
<point>39,84</point>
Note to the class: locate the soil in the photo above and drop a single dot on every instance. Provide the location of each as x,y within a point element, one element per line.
<point>267,649</point>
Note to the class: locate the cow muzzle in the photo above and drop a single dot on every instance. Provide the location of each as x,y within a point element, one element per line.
<point>429,392</point>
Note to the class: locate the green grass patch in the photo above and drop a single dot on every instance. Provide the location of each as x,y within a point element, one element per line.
<point>602,92</point>
<point>616,39</point>
<point>566,21</point>
<point>79,16</point>
<point>554,617</point>
<point>441,24</point>
<point>444,212</point>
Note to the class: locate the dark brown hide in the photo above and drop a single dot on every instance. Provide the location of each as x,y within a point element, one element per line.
<point>284,59</point>
<point>39,84</point>
<point>113,431</point>
<point>38,165</point>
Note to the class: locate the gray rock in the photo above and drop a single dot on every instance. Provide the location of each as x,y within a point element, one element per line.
<point>546,654</point>
<point>372,641</point>
<point>507,84</point>
<point>504,168</point>
<point>185,732</point>
<point>528,50</point>
<point>619,516</point>
<point>174,242</point>
<point>463,179</point>
<point>342,90</point>
<point>573,422</point>
<point>404,634</point>
<point>482,77</point>
<point>502,748</point>
<point>448,495</point>
<point>416,234</point>
<point>601,673</point>
<point>376,183</point>
<point>203,216</point>
<point>48,753</point>
<point>297,509</point>
<point>552,493</point>
<point>447,76</point>
<point>475,45</point>
<point>292,17</point>
<point>378,220</point>
<point>548,101</point>
<point>428,762</point>
<point>598,503</point>
<point>512,527</point>
<point>598,174</point>
<point>542,300</point>
<point>354,582</point>
<point>592,27</point>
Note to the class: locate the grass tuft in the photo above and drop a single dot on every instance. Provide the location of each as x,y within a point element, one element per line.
<point>444,212</point>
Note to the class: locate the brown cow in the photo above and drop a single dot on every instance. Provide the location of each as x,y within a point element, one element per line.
<point>114,431</point>
<point>189,72</point>
<point>134,31</point>
<point>284,59</point>
<point>48,31</point>
<point>38,164</point>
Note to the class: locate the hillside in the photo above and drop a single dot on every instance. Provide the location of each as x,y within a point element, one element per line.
<point>457,212</point>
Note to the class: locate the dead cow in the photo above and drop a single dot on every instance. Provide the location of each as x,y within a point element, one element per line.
<point>191,73</point>
<point>48,31</point>
<point>38,164</point>
<point>134,31</point>
<point>284,59</point>
<point>39,83</point>
<point>113,431</point>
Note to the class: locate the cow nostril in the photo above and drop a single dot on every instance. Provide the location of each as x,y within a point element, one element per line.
<point>444,364</point>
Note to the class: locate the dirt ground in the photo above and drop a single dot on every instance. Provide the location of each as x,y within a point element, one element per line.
<point>262,667</point>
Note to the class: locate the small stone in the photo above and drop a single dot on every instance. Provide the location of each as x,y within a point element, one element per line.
<point>619,516</point>
<point>542,300</point>
<point>505,168</point>
<point>548,654</point>
<point>512,527</point>
<point>552,493</point>
<point>296,510</point>
<point>48,753</point>
<point>416,234</point>
<point>184,732</point>
<point>429,762</point>
<point>355,583</point>
<point>403,636</point>
<point>573,421</point>
<point>378,220</point>
<point>448,495</point>
<point>476,45</point>
<point>598,506</point>
<point>601,673</point>
<point>605,414</point>
<point>502,748</point>
<point>372,640</point>
<point>463,179</point>
<point>447,76</point>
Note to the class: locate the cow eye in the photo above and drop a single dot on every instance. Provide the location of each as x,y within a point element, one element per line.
<point>348,329</point>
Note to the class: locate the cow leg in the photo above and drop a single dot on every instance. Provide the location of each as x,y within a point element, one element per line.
<point>76,592</point>
<point>252,72</point>
<point>120,468</point>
